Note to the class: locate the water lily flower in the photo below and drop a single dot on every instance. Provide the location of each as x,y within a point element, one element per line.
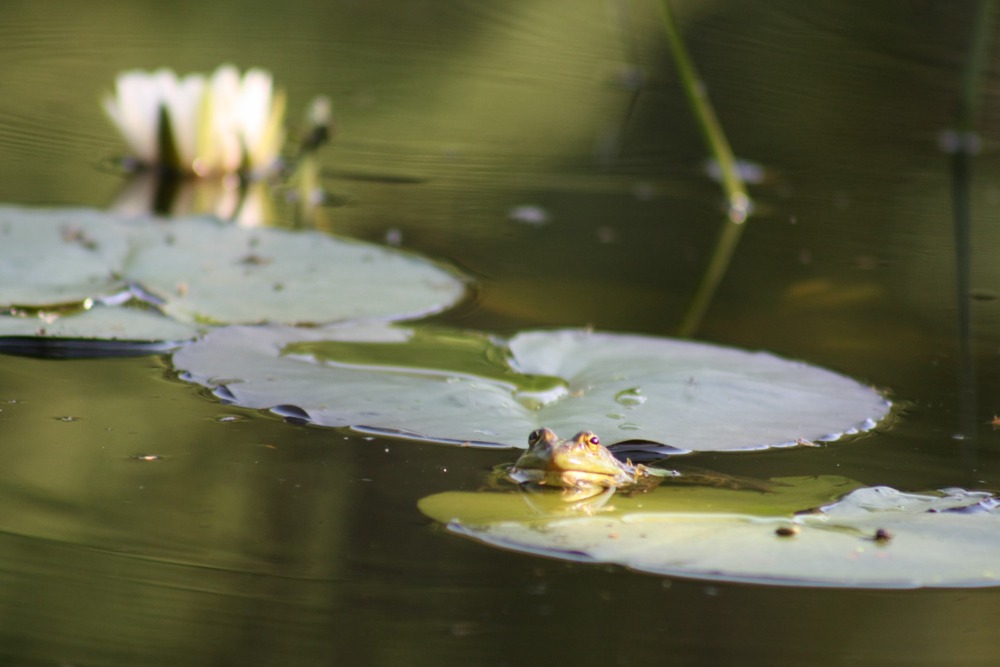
<point>199,125</point>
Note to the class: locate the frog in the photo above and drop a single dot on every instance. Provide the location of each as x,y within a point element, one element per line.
<point>589,473</point>
<point>581,466</point>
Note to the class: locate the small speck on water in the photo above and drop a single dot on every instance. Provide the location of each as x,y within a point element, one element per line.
<point>67,418</point>
<point>227,419</point>
<point>528,214</point>
<point>146,457</point>
<point>394,237</point>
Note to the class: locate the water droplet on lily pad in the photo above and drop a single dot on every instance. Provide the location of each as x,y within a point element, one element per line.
<point>630,397</point>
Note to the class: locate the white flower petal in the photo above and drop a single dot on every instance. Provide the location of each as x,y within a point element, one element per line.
<point>135,111</point>
<point>220,146</point>
<point>219,124</point>
<point>184,104</point>
<point>255,103</point>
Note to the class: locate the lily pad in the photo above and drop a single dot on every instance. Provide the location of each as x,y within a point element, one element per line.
<point>875,537</point>
<point>202,272</point>
<point>96,329</point>
<point>465,387</point>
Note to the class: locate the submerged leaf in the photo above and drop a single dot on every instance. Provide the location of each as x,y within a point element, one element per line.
<point>787,496</point>
<point>872,538</point>
<point>200,272</point>
<point>469,388</point>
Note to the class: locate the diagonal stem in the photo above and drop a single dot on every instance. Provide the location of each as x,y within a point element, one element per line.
<point>732,183</point>
<point>694,88</point>
<point>965,146</point>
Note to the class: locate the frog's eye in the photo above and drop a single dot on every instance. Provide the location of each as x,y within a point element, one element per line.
<point>594,440</point>
<point>539,435</point>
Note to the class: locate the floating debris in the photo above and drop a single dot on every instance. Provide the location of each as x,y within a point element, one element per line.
<point>529,214</point>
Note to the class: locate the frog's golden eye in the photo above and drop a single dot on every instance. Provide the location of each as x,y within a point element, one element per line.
<point>594,440</point>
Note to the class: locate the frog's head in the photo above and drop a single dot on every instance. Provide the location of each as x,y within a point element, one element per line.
<point>580,461</point>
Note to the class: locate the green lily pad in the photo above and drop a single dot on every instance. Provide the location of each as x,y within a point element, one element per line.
<point>465,387</point>
<point>200,272</point>
<point>50,258</point>
<point>875,537</point>
<point>102,322</point>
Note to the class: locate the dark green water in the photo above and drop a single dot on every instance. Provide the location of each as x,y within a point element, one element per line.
<point>256,542</point>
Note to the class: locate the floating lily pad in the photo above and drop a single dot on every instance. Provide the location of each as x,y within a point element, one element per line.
<point>875,537</point>
<point>466,387</point>
<point>98,322</point>
<point>55,258</point>
<point>201,272</point>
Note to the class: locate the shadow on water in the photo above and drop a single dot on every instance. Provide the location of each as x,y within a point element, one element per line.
<point>544,146</point>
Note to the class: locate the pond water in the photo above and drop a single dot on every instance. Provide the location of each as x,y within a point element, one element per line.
<point>247,540</point>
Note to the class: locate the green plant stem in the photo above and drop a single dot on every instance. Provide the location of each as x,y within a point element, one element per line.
<point>725,246</point>
<point>978,58</point>
<point>965,146</point>
<point>732,183</point>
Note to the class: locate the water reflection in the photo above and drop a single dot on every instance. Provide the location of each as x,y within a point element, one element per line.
<point>229,198</point>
